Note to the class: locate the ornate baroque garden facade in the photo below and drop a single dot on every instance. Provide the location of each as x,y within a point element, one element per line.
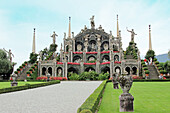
<point>93,50</point>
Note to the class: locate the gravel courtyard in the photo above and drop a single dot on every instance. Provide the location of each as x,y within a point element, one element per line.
<point>65,97</point>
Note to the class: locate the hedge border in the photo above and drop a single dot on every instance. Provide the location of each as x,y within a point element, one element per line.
<point>91,103</point>
<point>27,86</point>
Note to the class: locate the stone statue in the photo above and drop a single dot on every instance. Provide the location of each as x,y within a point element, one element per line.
<point>9,54</point>
<point>59,72</point>
<point>105,46</point>
<point>79,47</point>
<point>54,37</point>
<point>132,34</point>
<point>64,35</point>
<point>41,55</point>
<point>126,99</point>
<point>72,34</point>
<point>92,47</point>
<point>115,81</point>
<point>100,27</point>
<point>92,22</point>
<point>85,27</point>
<point>61,47</point>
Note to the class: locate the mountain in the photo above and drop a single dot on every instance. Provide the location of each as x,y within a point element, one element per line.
<point>162,57</point>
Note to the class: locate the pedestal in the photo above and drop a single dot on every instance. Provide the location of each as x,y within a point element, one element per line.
<point>126,102</point>
<point>14,83</point>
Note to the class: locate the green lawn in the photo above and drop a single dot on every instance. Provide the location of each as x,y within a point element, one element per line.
<point>8,84</point>
<point>149,97</point>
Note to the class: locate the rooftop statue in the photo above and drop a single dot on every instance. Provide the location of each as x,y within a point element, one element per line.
<point>9,54</point>
<point>132,34</point>
<point>92,22</point>
<point>54,37</point>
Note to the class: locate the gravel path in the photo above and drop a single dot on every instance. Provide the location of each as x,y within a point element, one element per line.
<point>65,97</point>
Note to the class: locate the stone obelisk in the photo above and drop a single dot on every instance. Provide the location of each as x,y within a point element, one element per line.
<point>69,29</point>
<point>117,27</point>
<point>33,44</point>
<point>150,43</point>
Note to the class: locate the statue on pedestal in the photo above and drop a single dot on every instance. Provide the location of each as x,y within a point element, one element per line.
<point>92,22</point>
<point>132,34</point>
<point>54,37</point>
<point>126,99</point>
<point>9,54</point>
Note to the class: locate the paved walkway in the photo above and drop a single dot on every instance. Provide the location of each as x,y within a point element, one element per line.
<point>65,97</point>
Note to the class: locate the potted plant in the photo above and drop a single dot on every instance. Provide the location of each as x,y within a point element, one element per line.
<point>159,68</point>
<point>147,73</point>
<point>28,73</point>
<point>31,70</point>
<point>145,68</point>
<point>35,65</point>
<point>23,65</point>
<point>161,72</point>
<point>18,70</point>
<point>26,63</point>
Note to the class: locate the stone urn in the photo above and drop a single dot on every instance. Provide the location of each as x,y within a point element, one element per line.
<point>126,99</point>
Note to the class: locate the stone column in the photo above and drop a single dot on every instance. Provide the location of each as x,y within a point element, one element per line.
<point>71,56</point>
<point>73,45</point>
<point>98,66</point>
<point>81,66</point>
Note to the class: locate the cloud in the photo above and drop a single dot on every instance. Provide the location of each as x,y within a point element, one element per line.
<point>17,20</point>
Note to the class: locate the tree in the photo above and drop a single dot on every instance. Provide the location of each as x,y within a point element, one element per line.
<point>52,48</point>
<point>149,54</point>
<point>169,54</point>
<point>33,58</point>
<point>6,66</point>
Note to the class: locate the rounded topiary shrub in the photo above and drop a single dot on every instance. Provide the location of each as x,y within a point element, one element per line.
<point>162,71</point>
<point>159,68</point>
<point>144,65</point>
<point>18,69</point>
<point>157,62</point>
<point>33,67</point>
<point>23,64</point>
<point>30,69</point>
<point>145,68</point>
<point>28,72</point>
<point>16,72</point>
<point>147,72</point>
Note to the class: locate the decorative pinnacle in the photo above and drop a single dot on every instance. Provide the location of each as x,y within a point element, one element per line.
<point>149,27</point>
<point>69,30</point>
<point>117,17</point>
<point>34,30</point>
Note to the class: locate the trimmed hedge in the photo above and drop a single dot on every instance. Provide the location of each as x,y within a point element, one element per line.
<point>92,101</point>
<point>148,80</point>
<point>27,86</point>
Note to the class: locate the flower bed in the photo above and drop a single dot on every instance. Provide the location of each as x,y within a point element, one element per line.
<point>73,63</point>
<point>115,51</point>
<point>105,52</point>
<point>77,52</point>
<point>59,62</point>
<point>137,77</point>
<point>51,78</point>
<point>117,62</point>
<point>91,52</point>
<point>90,63</point>
<point>104,63</point>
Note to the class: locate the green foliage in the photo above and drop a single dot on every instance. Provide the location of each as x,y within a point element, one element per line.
<point>34,75</point>
<point>167,66</point>
<point>155,59</point>
<point>23,64</point>
<point>144,65</point>
<point>30,69</point>
<point>58,57</point>
<point>92,75</point>
<point>53,48</point>
<point>162,71</point>
<point>142,62</point>
<point>16,72</point>
<point>147,72</point>
<point>33,58</point>
<point>5,65</point>
<point>103,76</point>
<point>18,69</point>
<point>92,101</point>
<point>157,62</point>
<point>145,68</point>
<point>159,68</point>
<point>74,76</point>
<point>169,54</point>
<point>28,72</point>
<point>150,53</point>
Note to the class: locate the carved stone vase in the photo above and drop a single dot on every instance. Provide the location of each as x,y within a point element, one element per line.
<point>126,99</point>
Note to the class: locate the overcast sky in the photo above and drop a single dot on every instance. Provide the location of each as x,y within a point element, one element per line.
<point>19,17</point>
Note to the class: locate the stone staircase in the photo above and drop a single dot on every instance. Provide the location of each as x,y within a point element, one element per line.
<point>23,74</point>
<point>129,57</point>
<point>153,72</point>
